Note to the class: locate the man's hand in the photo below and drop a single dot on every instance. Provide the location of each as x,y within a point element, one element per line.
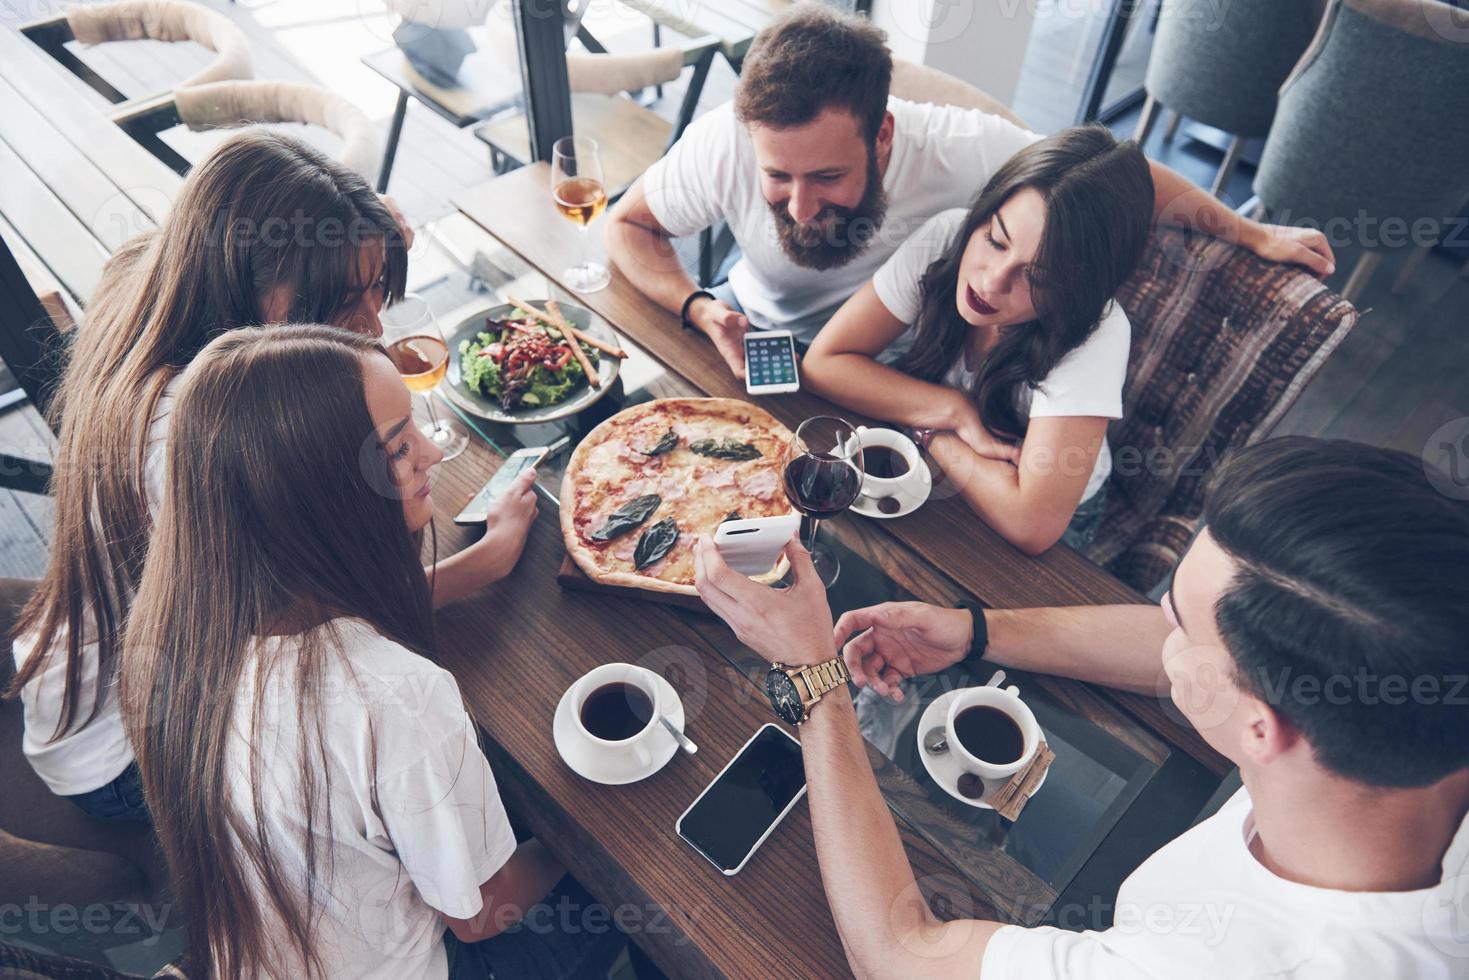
<point>724,326</point>
<point>1284,243</point>
<point>902,639</point>
<point>792,625</point>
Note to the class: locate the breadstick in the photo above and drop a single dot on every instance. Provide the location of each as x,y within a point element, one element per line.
<point>569,332</point>
<point>552,315</point>
<point>559,321</point>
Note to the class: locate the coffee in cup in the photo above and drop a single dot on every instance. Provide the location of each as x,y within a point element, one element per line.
<point>891,467</point>
<point>617,708</point>
<point>617,711</point>
<point>991,732</point>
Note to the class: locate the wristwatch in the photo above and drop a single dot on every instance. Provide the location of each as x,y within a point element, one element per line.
<point>793,690</point>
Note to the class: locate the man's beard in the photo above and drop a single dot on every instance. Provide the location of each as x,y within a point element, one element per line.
<point>837,235</point>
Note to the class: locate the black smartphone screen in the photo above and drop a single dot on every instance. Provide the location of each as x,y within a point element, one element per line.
<point>770,360</point>
<point>746,800</point>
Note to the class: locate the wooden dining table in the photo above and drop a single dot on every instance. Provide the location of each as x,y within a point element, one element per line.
<point>1129,774</point>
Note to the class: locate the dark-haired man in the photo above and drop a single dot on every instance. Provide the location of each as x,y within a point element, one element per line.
<point>821,176</point>
<point>1315,635</point>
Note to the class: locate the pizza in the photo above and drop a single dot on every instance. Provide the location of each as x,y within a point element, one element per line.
<point>643,485</point>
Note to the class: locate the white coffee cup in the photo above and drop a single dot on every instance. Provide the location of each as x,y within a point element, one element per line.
<point>1008,701</point>
<point>877,487</point>
<point>636,747</point>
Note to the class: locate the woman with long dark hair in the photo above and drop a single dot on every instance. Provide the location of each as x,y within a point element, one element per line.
<point>1018,350</point>
<point>315,781</point>
<point>266,229</point>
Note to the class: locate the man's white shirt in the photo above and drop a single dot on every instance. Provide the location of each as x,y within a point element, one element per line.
<point>1203,907</point>
<point>942,157</point>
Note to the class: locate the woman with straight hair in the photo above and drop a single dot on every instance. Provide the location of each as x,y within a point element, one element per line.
<point>1019,351</point>
<point>265,230</point>
<point>315,782</point>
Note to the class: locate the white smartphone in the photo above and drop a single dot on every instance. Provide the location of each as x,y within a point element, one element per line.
<point>518,462</point>
<point>746,801</point>
<point>770,362</point>
<point>753,546</point>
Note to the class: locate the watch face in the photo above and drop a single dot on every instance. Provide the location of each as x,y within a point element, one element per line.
<point>784,698</point>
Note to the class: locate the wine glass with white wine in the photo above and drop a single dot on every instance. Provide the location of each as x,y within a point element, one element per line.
<point>416,344</point>
<point>580,194</point>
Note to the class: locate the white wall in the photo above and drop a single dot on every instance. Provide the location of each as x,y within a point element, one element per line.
<point>980,41</point>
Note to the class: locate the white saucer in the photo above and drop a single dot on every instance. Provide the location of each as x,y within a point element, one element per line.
<point>909,498</point>
<point>612,767</point>
<point>944,767</point>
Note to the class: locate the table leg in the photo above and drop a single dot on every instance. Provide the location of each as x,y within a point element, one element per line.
<point>394,131</point>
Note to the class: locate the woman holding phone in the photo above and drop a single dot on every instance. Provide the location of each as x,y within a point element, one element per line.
<point>316,784</point>
<point>265,230</point>
<point>1018,352</point>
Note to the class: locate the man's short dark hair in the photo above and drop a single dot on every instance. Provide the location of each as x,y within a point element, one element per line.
<point>812,59</point>
<point>1349,612</point>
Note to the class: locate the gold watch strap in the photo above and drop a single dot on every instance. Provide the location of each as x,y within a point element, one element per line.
<point>824,677</point>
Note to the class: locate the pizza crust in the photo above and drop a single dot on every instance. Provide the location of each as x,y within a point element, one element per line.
<point>578,475</point>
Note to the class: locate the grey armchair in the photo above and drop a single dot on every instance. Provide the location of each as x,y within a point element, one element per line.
<point>1221,64</point>
<point>1370,133</point>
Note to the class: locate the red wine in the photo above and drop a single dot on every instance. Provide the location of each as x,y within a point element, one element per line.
<point>821,486</point>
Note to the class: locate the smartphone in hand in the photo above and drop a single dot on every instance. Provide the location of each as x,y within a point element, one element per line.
<point>519,461</point>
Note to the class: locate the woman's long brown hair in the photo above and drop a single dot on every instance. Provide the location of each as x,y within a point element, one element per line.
<point>278,515</point>
<point>1099,207</point>
<point>264,212</point>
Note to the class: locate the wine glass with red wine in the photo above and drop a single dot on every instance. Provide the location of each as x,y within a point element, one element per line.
<point>823,475</point>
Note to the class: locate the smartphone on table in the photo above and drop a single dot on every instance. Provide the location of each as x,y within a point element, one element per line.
<point>742,806</point>
<point>770,362</point>
<point>517,463</point>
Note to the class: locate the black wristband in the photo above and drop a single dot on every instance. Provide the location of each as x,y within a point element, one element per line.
<point>981,638</point>
<point>683,313</point>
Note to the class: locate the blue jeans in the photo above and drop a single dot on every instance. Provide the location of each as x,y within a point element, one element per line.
<point>121,799</point>
<point>1086,520</point>
<point>568,935</point>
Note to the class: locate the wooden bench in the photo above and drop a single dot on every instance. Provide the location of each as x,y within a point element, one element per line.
<point>73,188</point>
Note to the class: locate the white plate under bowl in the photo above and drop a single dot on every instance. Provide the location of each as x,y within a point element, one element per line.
<point>944,767</point>
<point>613,767</point>
<point>911,498</point>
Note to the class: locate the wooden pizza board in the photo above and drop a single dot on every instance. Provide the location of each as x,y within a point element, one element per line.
<point>572,577</point>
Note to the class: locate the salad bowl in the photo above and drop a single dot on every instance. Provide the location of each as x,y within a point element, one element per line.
<point>543,403</point>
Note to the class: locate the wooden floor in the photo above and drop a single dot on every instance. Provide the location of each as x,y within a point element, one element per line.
<point>1396,378</point>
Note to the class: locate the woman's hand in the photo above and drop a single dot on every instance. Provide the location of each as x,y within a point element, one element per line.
<point>403,226</point>
<point>1287,243</point>
<point>965,423</point>
<point>507,526</point>
<point>897,640</point>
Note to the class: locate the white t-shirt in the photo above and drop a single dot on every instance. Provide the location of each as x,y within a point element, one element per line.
<point>1203,907</point>
<point>89,755</point>
<point>1086,382</point>
<point>439,828</point>
<point>942,157</point>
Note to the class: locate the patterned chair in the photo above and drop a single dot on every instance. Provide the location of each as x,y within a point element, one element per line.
<point>1223,343</point>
